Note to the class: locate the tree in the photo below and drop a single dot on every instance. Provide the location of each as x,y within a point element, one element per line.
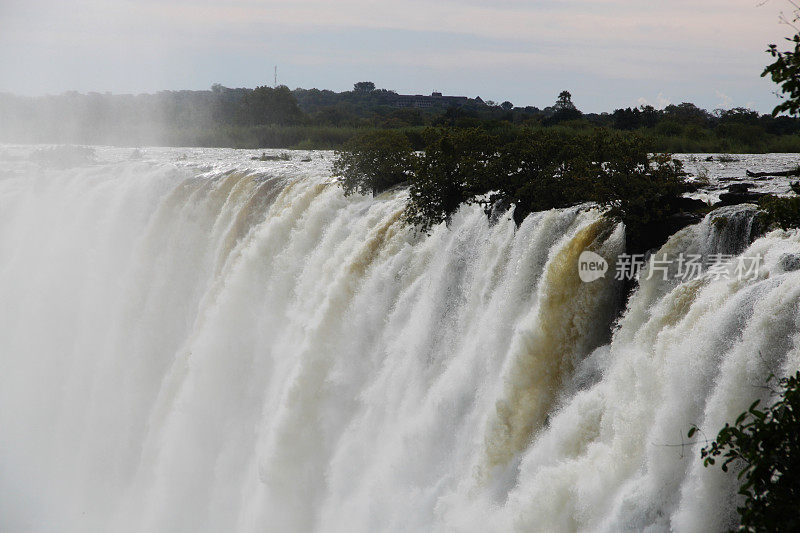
<point>265,105</point>
<point>564,102</point>
<point>508,106</point>
<point>738,115</point>
<point>764,446</point>
<point>364,87</point>
<point>374,162</point>
<point>539,170</point>
<point>687,113</point>
<point>649,116</point>
<point>627,119</point>
<point>454,169</point>
<point>785,71</point>
<point>563,110</point>
<point>781,211</point>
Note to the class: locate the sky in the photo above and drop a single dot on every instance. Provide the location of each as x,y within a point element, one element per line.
<point>608,54</point>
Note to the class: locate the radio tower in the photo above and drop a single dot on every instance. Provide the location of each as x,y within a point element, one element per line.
<point>276,77</point>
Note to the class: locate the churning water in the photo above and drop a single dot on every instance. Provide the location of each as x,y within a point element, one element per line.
<point>217,344</point>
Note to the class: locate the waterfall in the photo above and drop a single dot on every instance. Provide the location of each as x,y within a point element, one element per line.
<point>227,347</point>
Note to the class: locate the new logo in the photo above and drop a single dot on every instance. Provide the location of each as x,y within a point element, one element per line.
<point>591,266</point>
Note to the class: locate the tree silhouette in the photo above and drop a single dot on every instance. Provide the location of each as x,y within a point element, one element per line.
<point>564,102</point>
<point>563,110</point>
<point>364,87</point>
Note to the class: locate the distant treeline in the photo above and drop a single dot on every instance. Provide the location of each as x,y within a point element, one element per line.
<point>267,117</point>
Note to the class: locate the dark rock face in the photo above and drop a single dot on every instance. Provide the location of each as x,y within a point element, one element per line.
<point>692,186</point>
<point>782,173</point>
<point>734,228</point>
<point>789,262</point>
<point>687,204</point>
<point>498,208</point>
<point>739,193</point>
<point>739,187</point>
<point>734,198</point>
<point>657,233</point>
<point>684,212</point>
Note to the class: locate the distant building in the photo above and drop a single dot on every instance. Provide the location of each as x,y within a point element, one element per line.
<point>436,99</point>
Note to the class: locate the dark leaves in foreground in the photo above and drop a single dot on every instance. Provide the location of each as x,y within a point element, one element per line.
<point>763,445</point>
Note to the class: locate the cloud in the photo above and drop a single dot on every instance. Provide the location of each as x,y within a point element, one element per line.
<point>726,102</point>
<point>660,103</point>
<point>672,24</point>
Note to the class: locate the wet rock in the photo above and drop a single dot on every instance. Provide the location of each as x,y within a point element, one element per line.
<point>693,186</point>
<point>739,187</point>
<point>497,209</point>
<point>735,227</point>
<point>735,198</point>
<point>656,233</point>
<point>687,204</point>
<point>776,173</point>
<point>789,262</point>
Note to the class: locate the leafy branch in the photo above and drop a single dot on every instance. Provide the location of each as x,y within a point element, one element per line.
<point>763,444</point>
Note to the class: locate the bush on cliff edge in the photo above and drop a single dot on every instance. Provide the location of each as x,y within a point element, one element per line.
<point>536,171</point>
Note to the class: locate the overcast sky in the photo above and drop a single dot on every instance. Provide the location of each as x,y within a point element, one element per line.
<point>609,54</point>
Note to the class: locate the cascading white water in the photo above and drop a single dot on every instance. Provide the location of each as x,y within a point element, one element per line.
<point>244,349</point>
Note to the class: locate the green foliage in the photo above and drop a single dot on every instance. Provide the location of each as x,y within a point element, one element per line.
<point>563,110</point>
<point>454,169</point>
<point>364,87</point>
<point>533,170</point>
<point>764,445</point>
<point>634,118</point>
<point>783,212</point>
<point>265,105</point>
<point>312,118</point>
<point>543,170</point>
<point>564,101</point>
<point>374,162</point>
<point>785,71</point>
<point>641,190</point>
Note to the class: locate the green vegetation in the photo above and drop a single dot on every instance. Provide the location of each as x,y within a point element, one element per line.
<point>784,212</point>
<point>536,170</point>
<point>265,105</point>
<point>267,117</point>
<point>374,162</point>
<point>455,168</point>
<point>785,71</point>
<point>764,446</point>
<point>364,87</point>
<point>781,211</point>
